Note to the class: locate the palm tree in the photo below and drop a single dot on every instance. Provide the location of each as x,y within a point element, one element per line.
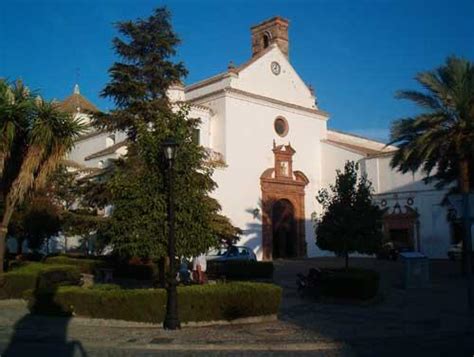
<point>34,137</point>
<point>441,138</point>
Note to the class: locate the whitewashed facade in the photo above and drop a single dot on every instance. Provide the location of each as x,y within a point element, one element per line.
<point>239,109</point>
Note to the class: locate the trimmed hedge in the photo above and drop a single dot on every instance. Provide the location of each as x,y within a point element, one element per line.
<point>196,303</point>
<point>14,284</point>
<point>352,283</point>
<point>241,270</point>
<point>86,266</point>
<point>127,270</point>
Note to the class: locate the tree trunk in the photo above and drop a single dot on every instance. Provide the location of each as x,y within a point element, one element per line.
<point>3,234</point>
<point>467,241</point>
<point>7,215</point>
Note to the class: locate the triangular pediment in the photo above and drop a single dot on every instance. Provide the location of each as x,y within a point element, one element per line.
<point>272,75</point>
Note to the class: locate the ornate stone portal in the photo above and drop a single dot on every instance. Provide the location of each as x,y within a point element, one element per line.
<point>402,227</point>
<point>283,213</point>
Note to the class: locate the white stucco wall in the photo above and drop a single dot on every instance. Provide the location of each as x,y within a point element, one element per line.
<point>91,145</point>
<point>249,136</point>
<point>334,158</point>
<point>287,86</point>
<point>395,187</point>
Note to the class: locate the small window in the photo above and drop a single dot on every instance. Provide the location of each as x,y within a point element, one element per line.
<point>281,126</point>
<point>266,39</point>
<point>196,134</point>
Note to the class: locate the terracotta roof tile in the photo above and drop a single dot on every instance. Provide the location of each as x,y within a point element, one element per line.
<point>77,103</point>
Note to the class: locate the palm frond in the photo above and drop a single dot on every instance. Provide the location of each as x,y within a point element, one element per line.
<point>438,139</point>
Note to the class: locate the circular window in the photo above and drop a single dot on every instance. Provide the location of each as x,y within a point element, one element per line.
<point>281,126</point>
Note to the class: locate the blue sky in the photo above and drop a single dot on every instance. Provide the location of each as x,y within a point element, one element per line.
<point>355,53</point>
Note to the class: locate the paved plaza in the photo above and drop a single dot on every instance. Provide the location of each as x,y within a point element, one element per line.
<point>431,322</point>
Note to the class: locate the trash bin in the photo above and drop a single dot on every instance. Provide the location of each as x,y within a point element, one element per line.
<point>416,270</point>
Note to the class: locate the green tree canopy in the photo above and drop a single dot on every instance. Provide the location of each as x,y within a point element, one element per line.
<point>351,222</point>
<point>138,85</point>
<point>36,221</point>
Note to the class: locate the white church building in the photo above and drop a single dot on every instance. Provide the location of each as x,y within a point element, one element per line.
<point>262,122</point>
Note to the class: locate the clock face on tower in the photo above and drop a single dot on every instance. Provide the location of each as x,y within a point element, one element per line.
<point>275,66</point>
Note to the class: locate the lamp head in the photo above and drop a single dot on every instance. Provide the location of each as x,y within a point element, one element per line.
<point>170,147</point>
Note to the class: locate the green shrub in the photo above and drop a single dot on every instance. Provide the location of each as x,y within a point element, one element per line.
<point>196,303</point>
<point>86,266</point>
<point>106,287</point>
<point>241,270</point>
<point>351,283</point>
<point>15,264</point>
<point>36,275</point>
<point>58,275</point>
<point>141,271</point>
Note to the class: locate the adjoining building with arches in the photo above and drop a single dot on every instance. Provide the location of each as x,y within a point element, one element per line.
<point>262,122</point>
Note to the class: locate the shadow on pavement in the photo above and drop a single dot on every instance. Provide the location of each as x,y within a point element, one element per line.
<point>37,335</point>
<point>432,321</point>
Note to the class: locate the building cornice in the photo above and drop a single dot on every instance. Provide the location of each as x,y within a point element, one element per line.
<point>195,106</point>
<point>90,135</point>
<point>345,147</point>
<point>242,93</point>
<point>107,151</point>
<point>209,81</point>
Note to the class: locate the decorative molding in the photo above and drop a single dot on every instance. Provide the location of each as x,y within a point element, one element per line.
<point>345,147</point>
<point>277,185</point>
<point>229,90</point>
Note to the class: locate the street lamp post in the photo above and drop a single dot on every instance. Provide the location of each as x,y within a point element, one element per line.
<point>171,321</point>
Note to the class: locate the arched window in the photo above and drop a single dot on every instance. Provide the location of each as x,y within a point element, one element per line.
<point>266,39</point>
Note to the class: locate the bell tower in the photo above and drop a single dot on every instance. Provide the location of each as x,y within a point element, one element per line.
<point>274,30</point>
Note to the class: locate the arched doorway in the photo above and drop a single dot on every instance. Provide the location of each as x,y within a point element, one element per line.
<point>283,212</point>
<point>284,230</point>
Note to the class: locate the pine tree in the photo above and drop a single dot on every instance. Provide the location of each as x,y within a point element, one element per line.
<point>138,85</point>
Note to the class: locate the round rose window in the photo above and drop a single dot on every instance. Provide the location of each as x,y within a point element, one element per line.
<point>281,126</point>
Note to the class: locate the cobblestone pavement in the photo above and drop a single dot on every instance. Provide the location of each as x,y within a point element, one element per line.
<point>431,322</point>
<point>47,336</point>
